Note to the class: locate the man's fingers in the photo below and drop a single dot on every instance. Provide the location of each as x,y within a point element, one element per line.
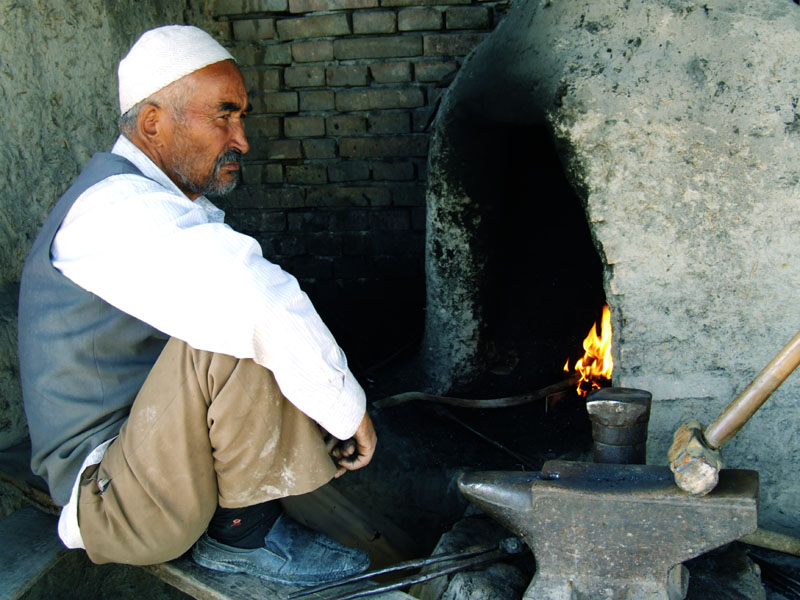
<point>356,452</point>
<point>345,449</point>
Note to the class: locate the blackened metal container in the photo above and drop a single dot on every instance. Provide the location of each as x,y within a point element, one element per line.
<point>619,424</point>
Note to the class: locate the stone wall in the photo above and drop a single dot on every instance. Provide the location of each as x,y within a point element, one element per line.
<point>343,92</point>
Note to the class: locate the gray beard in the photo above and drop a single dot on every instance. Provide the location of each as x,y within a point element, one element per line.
<point>211,185</point>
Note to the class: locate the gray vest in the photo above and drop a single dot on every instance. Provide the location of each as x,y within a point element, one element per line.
<point>82,361</point>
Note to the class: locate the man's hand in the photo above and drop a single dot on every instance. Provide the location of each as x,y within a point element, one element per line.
<point>356,452</point>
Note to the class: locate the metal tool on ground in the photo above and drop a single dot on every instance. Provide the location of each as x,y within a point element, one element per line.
<point>450,563</point>
<point>694,456</point>
<point>613,531</point>
<point>619,419</point>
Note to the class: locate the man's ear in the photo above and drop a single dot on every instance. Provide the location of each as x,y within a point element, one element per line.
<point>149,123</point>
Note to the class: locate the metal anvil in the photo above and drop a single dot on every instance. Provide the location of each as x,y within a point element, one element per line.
<point>613,532</point>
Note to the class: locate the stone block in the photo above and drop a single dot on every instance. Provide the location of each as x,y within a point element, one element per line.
<point>340,196</point>
<point>346,75</point>
<point>273,173</point>
<point>374,22</point>
<point>390,220</point>
<point>356,243</point>
<point>316,51</point>
<point>284,197</point>
<point>408,195</point>
<point>396,244</point>
<point>346,125</point>
<point>273,221</point>
<point>222,31</point>
<point>308,221</point>
<point>419,19</point>
<point>467,17</point>
<point>393,171</point>
<point>317,100</point>
<point>313,27</point>
<point>258,80</point>
<point>289,245</point>
<point>254,29</point>
<point>294,127</point>
<point>281,102</point>
<point>304,76</point>
<point>391,72</point>
<point>308,174</point>
<point>422,118</point>
<point>301,6</point>
<point>263,126</point>
<point>381,47</point>
<point>350,170</point>
<point>388,3</point>
<point>389,123</point>
<point>284,149</point>
<point>263,54</point>
<point>320,148</point>
<point>250,173</point>
<point>434,71</point>
<point>324,244</point>
<point>240,7</point>
<point>453,44</point>
<point>376,99</point>
<point>351,220</point>
<point>434,94</point>
<point>379,147</point>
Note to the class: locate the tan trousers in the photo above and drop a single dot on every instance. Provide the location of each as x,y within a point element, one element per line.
<point>205,429</point>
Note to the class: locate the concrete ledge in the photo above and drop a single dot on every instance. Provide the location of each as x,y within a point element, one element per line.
<point>30,548</point>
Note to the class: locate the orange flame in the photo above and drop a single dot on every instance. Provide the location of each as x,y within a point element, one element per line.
<point>596,364</point>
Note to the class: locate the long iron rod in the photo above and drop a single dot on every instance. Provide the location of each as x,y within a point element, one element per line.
<point>402,566</point>
<point>422,577</point>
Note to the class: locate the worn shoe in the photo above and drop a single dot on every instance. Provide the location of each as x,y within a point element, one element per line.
<point>292,554</point>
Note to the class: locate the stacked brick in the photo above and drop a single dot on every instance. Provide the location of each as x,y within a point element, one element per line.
<point>343,92</point>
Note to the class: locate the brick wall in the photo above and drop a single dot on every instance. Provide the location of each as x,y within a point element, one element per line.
<point>343,92</point>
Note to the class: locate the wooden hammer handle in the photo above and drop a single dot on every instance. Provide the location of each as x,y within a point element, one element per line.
<point>754,395</point>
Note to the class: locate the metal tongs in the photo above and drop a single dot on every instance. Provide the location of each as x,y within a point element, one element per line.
<point>468,557</point>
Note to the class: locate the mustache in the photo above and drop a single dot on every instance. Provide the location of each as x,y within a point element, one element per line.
<point>229,156</point>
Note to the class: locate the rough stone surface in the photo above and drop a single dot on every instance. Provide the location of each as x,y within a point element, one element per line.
<point>678,125</point>
<point>496,582</point>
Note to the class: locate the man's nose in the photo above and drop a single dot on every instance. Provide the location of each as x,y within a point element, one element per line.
<point>238,138</point>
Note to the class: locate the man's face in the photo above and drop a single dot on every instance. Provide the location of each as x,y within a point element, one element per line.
<point>206,141</point>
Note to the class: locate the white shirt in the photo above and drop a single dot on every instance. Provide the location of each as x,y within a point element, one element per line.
<point>142,246</point>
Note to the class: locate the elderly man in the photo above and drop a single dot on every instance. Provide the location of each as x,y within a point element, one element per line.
<point>175,381</point>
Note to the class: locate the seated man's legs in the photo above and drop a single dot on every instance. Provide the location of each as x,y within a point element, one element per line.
<point>205,430</point>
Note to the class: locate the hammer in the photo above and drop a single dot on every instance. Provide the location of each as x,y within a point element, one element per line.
<point>695,457</point>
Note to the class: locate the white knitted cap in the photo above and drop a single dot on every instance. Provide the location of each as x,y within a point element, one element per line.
<point>161,56</point>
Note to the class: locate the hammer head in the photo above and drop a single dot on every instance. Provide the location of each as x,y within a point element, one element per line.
<point>694,463</point>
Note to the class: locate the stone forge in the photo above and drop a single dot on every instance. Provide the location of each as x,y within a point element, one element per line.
<point>676,125</point>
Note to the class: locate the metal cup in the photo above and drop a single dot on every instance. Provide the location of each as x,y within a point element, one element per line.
<point>619,424</point>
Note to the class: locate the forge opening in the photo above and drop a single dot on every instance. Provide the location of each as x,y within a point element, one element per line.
<point>536,274</point>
